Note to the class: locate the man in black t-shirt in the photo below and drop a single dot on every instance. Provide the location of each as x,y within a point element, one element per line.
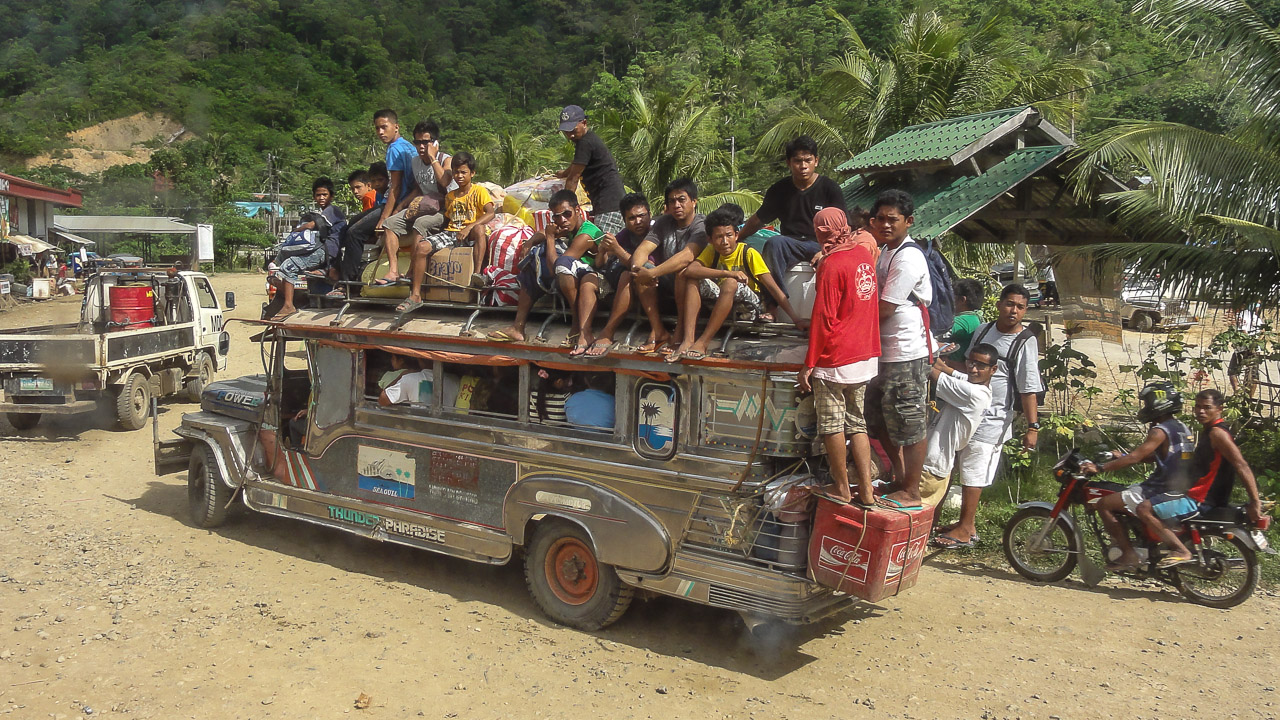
<point>594,165</point>
<point>795,201</point>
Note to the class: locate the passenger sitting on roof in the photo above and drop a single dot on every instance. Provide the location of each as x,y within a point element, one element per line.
<point>558,250</point>
<point>468,208</point>
<point>593,406</point>
<point>673,242</point>
<point>730,273</point>
<point>411,388</point>
<point>616,272</point>
<point>433,176</point>
<point>327,224</point>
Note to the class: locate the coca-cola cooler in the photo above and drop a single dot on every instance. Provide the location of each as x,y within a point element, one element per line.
<point>870,554</point>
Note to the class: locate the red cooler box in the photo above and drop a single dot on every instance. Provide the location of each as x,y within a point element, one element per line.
<point>870,554</point>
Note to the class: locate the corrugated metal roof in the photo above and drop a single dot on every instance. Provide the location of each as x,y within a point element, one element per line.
<point>942,205</point>
<point>929,143</point>
<point>121,224</point>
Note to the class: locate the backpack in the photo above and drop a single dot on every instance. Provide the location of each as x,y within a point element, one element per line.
<point>942,309</point>
<point>1019,343</point>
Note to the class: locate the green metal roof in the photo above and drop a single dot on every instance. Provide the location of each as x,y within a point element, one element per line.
<point>929,143</point>
<point>942,204</point>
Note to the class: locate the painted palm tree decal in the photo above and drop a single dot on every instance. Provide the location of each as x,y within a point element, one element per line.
<point>657,416</point>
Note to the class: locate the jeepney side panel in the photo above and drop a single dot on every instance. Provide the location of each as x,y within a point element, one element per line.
<point>230,439</point>
<point>736,408</point>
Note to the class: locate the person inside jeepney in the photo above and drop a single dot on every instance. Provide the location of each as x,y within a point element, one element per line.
<point>546,400</point>
<point>553,262</point>
<point>613,269</point>
<point>593,406</point>
<point>729,273</point>
<point>412,387</point>
<point>675,239</point>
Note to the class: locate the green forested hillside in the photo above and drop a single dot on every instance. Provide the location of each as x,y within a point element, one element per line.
<point>298,79</point>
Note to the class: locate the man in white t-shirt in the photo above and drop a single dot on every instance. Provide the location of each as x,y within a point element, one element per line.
<point>1014,386</point>
<point>897,398</point>
<point>411,388</point>
<point>962,401</point>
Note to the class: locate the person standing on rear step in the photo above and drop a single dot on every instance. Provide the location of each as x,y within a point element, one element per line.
<point>962,399</point>
<point>844,350</point>
<point>795,201</point>
<point>593,164</point>
<point>1014,386</point>
<point>899,394</point>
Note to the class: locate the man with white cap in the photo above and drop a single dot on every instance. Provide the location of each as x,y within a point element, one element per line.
<point>592,164</point>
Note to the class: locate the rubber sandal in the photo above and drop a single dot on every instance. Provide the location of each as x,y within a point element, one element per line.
<point>336,294</point>
<point>829,497</point>
<point>649,348</point>
<point>597,350</point>
<point>578,351</point>
<point>1170,561</point>
<point>890,503</point>
<point>946,542</point>
<point>674,357</point>
<point>408,306</point>
<point>385,281</point>
<point>501,336</point>
<point>765,318</point>
<point>694,355</point>
<point>570,341</point>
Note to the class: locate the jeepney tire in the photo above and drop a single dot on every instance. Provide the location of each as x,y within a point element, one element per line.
<point>1143,322</point>
<point>202,378</point>
<point>23,421</point>
<point>207,496</point>
<point>133,402</point>
<point>567,580</point>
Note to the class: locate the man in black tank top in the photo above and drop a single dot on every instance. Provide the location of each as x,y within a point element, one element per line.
<point>1218,461</point>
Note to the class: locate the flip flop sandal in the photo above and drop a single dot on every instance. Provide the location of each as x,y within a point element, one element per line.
<point>946,542</point>
<point>500,336</point>
<point>694,355</point>
<point>1170,562</point>
<point>408,306</point>
<point>383,282</point>
<point>597,350</point>
<point>649,348</point>
<point>578,351</point>
<point>674,357</point>
<point>570,341</point>
<point>336,294</point>
<point>890,503</point>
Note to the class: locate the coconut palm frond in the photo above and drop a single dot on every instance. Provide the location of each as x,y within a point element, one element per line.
<point>804,120</point>
<point>1250,237</point>
<point>748,200</point>
<point>1209,273</point>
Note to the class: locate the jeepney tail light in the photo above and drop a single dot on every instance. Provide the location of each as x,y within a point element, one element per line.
<point>90,384</point>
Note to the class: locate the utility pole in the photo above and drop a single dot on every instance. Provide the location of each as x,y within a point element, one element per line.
<point>733,163</point>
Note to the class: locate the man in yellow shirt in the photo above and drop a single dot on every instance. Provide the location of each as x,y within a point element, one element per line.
<point>468,209</point>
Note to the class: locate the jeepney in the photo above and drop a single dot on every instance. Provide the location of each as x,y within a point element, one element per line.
<point>672,500</point>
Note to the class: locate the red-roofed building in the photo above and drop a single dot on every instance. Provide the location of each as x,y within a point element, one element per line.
<point>27,208</point>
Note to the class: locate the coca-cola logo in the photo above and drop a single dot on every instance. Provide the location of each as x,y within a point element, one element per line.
<point>843,558</point>
<point>902,555</point>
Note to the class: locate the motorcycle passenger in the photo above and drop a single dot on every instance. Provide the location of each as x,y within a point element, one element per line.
<point>1218,461</point>
<point>1162,496</point>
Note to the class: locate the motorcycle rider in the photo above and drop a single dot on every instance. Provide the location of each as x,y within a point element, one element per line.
<point>1218,461</point>
<point>1163,494</point>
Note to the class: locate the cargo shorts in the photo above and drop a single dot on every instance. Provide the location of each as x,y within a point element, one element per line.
<point>839,407</point>
<point>897,401</point>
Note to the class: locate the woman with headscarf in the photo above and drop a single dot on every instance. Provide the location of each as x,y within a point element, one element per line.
<point>844,351</point>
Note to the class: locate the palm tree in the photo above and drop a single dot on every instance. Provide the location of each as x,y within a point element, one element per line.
<point>515,154</point>
<point>933,70</point>
<point>1209,216</point>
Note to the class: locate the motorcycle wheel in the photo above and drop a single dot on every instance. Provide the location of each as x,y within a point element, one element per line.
<point>1227,577</point>
<point>1049,560</point>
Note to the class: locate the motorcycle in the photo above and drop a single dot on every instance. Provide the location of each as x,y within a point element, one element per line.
<point>1045,542</point>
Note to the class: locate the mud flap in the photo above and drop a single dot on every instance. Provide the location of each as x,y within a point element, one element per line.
<point>169,456</point>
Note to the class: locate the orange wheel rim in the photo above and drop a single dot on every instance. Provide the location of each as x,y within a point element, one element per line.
<point>571,571</point>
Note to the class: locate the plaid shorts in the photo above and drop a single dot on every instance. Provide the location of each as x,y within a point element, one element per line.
<point>839,407</point>
<point>746,300</point>
<point>897,400</point>
<point>442,240</point>
<point>610,222</point>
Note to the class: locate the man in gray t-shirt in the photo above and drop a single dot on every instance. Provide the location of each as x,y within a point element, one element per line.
<point>674,240</point>
<point>1019,363</point>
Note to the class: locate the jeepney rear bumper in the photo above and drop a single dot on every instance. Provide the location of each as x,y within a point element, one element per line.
<point>724,583</point>
<point>75,407</point>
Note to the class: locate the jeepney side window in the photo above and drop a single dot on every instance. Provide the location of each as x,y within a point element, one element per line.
<point>485,390</point>
<point>573,399</point>
<point>407,380</point>
<point>333,374</point>
<point>656,407</point>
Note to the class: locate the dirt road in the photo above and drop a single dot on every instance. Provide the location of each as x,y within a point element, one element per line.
<point>119,607</point>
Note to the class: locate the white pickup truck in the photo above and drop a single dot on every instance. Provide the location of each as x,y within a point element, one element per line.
<point>171,341</point>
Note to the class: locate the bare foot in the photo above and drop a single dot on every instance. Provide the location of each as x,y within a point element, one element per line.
<point>285,311</point>
<point>507,335</point>
<point>834,491</point>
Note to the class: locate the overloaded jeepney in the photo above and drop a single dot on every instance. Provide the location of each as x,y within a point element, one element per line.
<point>696,491</point>
<point>143,333</point>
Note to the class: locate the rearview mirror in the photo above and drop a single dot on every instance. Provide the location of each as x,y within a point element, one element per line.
<point>1104,456</point>
<point>231,301</point>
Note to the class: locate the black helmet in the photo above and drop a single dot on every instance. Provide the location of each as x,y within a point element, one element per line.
<point>1158,399</point>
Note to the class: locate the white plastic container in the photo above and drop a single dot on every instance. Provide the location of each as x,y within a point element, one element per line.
<point>801,283</point>
<point>41,288</point>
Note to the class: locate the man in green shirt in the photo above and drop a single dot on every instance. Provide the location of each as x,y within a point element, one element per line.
<point>969,295</point>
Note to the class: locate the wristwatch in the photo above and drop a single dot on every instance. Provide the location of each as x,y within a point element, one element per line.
<point>1034,425</point>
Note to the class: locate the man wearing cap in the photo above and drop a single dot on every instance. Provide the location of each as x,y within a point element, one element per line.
<point>594,165</point>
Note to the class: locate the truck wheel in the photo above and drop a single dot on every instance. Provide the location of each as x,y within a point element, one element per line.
<point>1143,322</point>
<point>23,421</point>
<point>202,378</point>
<point>568,582</point>
<point>134,402</point>
<point>207,495</point>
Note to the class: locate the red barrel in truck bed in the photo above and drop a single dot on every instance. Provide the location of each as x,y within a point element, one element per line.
<point>870,554</point>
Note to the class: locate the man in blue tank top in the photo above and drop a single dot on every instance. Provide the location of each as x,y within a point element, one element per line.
<point>1163,495</point>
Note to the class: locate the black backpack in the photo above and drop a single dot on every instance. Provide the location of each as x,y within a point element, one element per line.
<point>1019,343</point>
<point>942,308</point>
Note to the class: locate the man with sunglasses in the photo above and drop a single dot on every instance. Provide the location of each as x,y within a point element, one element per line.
<point>963,399</point>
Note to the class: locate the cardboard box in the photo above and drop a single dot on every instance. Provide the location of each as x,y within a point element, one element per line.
<point>449,277</point>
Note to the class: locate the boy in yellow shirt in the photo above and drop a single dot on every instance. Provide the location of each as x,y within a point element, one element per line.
<point>729,273</point>
<point>468,209</point>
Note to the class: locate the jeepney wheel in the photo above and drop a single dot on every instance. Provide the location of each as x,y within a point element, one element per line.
<point>202,378</point>
<point>207,496</point>
<point>23,421</point>
<point>134,402</point>
<point>1143,322</point>
<point>568,582</point>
